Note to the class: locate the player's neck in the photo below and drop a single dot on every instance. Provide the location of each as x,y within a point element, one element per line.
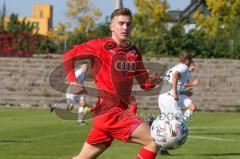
<point>117,40</point>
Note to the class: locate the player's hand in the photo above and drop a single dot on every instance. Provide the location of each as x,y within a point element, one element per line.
<point>76,88</point>
<point>176,96</point>
<point>155,78</point>
<point>195,82</point>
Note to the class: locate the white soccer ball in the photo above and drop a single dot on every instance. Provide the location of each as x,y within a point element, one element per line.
<point>169,134</point>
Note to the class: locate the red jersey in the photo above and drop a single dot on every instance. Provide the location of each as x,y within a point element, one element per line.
<point>113,68</point>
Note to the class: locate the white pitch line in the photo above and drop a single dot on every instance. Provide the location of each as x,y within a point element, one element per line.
<point>205,127</point>
<point>212,138</point>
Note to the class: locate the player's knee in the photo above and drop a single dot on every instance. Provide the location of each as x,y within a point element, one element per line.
<point>142,135</point>
<point>148,141</point>
<point>152,146</point>
<point>192,107</point>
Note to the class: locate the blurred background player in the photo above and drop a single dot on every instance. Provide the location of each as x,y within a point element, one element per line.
<point>75,99</point>
<point>170,103</point>
<point>78,99</point>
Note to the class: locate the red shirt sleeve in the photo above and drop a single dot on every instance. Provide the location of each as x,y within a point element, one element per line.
<point>86,50</point>
<point>142,75</point>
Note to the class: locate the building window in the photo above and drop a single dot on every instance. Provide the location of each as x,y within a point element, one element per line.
<point>41,14</point>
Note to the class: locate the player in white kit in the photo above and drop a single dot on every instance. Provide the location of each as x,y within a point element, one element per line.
<point>75,99</point>
<point>79,99</point>
<point>171,103</point>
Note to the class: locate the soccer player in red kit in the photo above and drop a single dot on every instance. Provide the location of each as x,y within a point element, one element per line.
<point>133,104</point>
<point>114,62</point>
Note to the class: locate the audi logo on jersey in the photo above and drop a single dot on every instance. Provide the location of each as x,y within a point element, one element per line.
<point>126,66</point>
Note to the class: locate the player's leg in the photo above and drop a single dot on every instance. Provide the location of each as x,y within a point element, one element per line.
<point>96,143</point>
<point>142,135</point>
<point>91,151</point>
<point>82,103</point>
<point>62,106</point>
<point>191,107</point>
<point>167,105</point>
<point>70,106</point>
<point>70,99</point>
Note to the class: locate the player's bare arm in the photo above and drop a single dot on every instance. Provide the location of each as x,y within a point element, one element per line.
<point>192,83</point>
<point>176,77</point>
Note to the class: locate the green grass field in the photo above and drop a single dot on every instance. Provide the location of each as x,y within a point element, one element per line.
<point>39,134</point>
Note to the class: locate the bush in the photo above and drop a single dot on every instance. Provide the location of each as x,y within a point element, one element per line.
<point>19,45</point>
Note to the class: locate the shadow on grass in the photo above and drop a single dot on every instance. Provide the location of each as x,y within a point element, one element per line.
<point>14,141</point>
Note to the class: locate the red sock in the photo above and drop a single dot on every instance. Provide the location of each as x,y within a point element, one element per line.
<point>133,108</point>
<point>146,154</point>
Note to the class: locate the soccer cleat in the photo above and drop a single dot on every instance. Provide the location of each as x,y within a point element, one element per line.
<point>150,120</point>
<point>163,152</point>
<point>51,107</point>
<point>82,123</point>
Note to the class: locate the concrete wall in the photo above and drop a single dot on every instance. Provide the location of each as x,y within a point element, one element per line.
<point>25,82</point>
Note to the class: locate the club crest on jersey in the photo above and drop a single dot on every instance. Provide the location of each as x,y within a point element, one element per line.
<point>133,52</point>
<point>132,55</point>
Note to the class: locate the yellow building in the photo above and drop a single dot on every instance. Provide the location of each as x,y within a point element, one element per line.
<point>42,18</point>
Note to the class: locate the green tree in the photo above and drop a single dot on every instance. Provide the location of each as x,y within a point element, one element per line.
<point>149,26</point>
<point>15,26</point>
<point>234,38</point>
<point>61,28</point>
<point>45,45</point>
<point>27,27</point>
<point>84,13</point>
<point>150,18</point>
<point>222,13</point>
<point>102,29</point>
<point>76,38</point>
<point>221,28</point>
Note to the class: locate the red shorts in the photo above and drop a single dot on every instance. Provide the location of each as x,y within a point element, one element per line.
<point>117,123</point>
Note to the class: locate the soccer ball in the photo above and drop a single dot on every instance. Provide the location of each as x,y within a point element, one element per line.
<point>169,134</point>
